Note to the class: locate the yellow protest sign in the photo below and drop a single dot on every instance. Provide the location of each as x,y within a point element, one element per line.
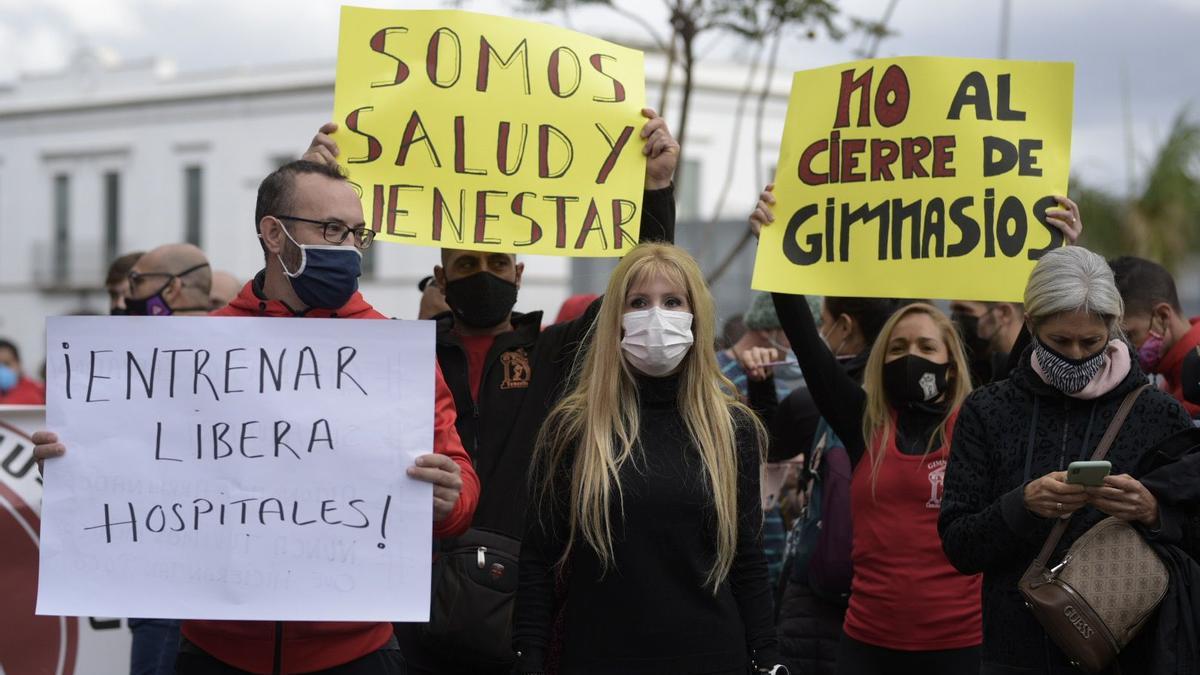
<point>918,178</point>
<point>465,130</point>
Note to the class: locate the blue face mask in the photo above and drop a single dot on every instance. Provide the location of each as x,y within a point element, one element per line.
<point>8,378</point>
<point>328,274</point>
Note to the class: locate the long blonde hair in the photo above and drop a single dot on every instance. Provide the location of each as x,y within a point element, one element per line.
<point>594,428</point>
<point>877,422</point>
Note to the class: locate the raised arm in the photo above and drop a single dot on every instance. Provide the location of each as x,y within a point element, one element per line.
<point>840,399</point>
<point>658,200</point>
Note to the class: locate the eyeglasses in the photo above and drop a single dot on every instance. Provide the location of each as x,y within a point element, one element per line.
<point>136,277</point>
<point>336,233</point>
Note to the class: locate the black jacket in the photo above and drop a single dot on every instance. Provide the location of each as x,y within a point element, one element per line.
<point>1007,434</point>
<point>1171,471</point>
<point>522,379</point>
<point>651,612</point>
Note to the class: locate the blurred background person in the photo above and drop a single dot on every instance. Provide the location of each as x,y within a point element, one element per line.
<point>1155,322</point>
<point>225,288</point>
<point>116,282</point>
<point>15,387</point>
<point>171,279</point>
<point>574,307</point>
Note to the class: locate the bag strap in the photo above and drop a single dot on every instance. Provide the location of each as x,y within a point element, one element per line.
<point>1110,435</point>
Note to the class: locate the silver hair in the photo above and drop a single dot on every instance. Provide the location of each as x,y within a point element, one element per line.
<point>1073,279</point>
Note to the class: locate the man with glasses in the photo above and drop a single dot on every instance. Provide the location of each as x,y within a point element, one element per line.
<point>171,279</point>
<point>310,226</point>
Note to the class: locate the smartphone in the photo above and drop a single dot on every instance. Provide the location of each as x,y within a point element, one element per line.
<point>1090,474</point>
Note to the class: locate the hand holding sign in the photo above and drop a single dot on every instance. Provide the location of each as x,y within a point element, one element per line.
<point>469,131</point>
<point>658,145</point>
<point>661,151</point>
<point>897,175</point>
<point>1066,218</point>
<point>445,476</point>
<point>238,468</point>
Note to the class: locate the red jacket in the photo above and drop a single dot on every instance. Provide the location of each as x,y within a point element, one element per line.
<point>306,645</point>
<point>1171,366</point>
<point>26,392</point>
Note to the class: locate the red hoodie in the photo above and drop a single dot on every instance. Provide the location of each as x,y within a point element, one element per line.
<point>1171,366</point>
<point>306,646</point>
<point>27,392</point>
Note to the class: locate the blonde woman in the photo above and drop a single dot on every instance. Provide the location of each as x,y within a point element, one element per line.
<point>910,610</point>
<point>646,496</point>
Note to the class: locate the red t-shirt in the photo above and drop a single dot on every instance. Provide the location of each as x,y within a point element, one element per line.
<point>906,595</point>
<point>477,347</point>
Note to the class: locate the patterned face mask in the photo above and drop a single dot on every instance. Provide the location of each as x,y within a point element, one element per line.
<point>1069,376</point>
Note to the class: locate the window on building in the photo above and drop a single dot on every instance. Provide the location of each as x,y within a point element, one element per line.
<point>112,215</point>
<point>193,191</point>
<point>62,226</point>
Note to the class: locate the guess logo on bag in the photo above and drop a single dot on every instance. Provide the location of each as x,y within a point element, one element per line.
<point>1078,621</point>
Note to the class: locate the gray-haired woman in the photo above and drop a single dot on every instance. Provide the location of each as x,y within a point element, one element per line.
<point>1006,483</point>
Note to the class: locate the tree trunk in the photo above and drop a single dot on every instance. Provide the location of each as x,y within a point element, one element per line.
<point>685,105</point>
<point>669,75</point>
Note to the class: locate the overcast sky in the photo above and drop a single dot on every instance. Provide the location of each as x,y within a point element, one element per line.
<point>1154,41</point>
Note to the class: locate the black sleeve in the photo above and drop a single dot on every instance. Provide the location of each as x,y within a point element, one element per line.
<point>794,427</point>
<point>533,613</point>
<point>762,398</point>
<point>840,400</point>
<point>658,215</point>
<point>748,576</point>
<point>981,529</point>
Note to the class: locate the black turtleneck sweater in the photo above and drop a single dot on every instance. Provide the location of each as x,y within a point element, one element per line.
<point>839,396</point>
<point>651,611</point>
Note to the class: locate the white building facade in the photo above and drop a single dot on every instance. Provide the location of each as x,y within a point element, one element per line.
<point>103,159</point>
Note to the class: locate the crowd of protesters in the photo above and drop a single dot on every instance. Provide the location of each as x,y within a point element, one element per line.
<point>851,485</point>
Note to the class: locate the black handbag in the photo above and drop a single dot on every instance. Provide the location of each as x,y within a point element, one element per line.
<point>474,589</point>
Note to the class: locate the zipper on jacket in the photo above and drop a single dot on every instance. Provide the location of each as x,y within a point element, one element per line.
<point>1062,452</point>
<point>277,669</point>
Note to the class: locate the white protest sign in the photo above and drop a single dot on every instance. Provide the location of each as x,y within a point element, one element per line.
<point>57,645</point>
<point>238,468</point>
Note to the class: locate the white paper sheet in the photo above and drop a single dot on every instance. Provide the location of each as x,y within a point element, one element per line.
<point>262,486</point>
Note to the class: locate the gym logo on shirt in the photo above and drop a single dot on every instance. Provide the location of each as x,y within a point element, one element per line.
<point>516,370</point>
<point>937,474</point>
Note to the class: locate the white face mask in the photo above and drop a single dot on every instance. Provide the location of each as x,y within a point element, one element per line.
<point>656,340</point>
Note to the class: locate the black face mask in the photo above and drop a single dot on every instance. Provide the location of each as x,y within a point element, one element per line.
<point>155,305</point>
<point>118,311</point>
<point>911,379</point>
<point>481,300</point>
